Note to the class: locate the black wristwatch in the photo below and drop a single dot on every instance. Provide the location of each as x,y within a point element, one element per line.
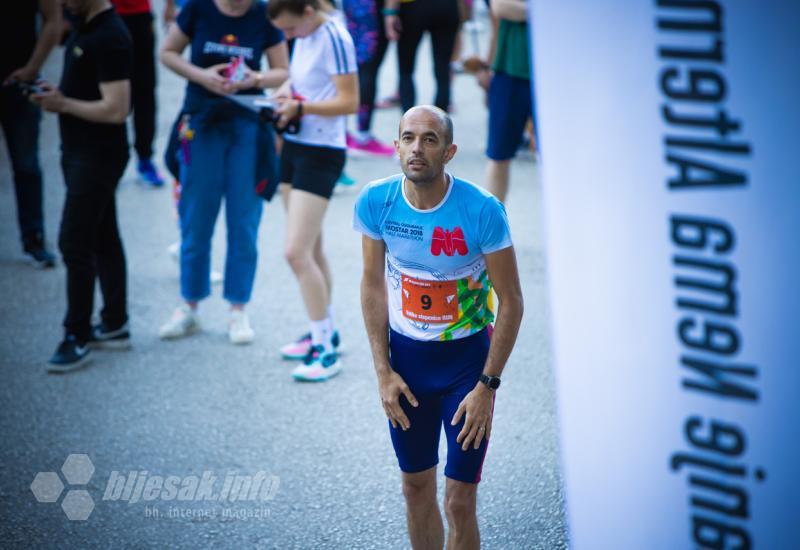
<point>492,382</point>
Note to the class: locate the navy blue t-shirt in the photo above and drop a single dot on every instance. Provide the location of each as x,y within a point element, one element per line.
<point>216,38</point>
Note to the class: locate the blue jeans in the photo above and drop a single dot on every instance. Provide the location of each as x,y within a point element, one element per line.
<point>222,162</point>
<point>20,121</point>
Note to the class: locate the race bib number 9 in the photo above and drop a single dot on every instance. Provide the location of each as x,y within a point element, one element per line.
<point>430,301</point>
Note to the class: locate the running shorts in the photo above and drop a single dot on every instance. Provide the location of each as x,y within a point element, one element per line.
<point>440,375</point>
<point>311,168</point>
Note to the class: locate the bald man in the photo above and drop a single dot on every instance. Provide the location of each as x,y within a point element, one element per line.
<point>434,247</point>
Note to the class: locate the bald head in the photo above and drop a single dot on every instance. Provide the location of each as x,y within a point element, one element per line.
<point>435,116</point>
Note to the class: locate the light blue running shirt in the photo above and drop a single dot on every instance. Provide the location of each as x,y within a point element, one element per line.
<point>438,288</point>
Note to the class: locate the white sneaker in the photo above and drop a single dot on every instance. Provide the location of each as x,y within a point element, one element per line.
<point>183,323</point>
<point>239,330</point>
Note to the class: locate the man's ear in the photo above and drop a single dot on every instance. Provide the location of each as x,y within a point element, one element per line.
<point>450,152</point>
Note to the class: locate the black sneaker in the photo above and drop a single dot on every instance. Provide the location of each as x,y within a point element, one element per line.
<point>40,257</point>
<point>70,354</point>
<point>103,338</point>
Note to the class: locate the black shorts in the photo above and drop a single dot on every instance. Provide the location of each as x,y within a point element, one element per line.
<point>311,168</point>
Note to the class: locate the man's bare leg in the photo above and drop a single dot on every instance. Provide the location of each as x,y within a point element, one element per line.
<point>460,503</point>
<point>425,528</point>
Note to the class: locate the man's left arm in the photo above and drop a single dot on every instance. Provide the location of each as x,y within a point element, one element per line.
<point>111,108</point>
<point>501,267</point>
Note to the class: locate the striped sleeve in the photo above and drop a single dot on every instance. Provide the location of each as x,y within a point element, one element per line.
<point>341,51</point>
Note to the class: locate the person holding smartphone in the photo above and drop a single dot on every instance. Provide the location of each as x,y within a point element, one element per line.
<point>92,101</point>
<point>322,89</point>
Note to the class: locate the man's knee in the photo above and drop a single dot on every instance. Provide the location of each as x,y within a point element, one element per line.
<point>460,501</point>
<point>420,486</point>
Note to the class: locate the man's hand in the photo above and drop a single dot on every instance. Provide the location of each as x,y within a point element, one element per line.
<point>50,99</point>
<point>477,405</point>
<point>391,385</point>
<point>23,74</point>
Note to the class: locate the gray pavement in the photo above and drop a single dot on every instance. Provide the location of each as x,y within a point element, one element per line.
<point>182,408</point>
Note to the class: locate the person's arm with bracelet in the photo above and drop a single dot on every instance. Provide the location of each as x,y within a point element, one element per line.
<point>211,78</point>
<point>49,36</point>
<point>391,19</point>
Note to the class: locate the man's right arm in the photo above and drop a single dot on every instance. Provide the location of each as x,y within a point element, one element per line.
<point>374,303</point>
<point>374,306</point>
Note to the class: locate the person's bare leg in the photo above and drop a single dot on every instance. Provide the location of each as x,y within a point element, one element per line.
<point>286,192</point>
<point>425,527</point>
<point>460,502</point>
<point>304,217</point>
<point>322,262</point>
<point>319,256</point>
<point>497,175</point>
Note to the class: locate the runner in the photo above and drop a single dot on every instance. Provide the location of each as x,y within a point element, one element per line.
<point>322,89</point>
<point>434,247</point>
<point>219,148</point>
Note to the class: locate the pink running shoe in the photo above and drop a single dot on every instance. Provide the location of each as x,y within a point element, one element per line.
<point>301,347</point>
<point>371,147</point>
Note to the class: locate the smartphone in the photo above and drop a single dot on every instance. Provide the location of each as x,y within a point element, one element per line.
<point>28,88</point>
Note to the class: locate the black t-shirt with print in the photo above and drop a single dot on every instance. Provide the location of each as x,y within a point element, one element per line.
<point>98,51</point>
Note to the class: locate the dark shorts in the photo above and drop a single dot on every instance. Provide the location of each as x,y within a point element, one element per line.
<point>509,110</point>
<point>311,168</point>
<point>440,375</point>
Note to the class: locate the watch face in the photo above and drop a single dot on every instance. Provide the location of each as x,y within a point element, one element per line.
<point>494,382</point>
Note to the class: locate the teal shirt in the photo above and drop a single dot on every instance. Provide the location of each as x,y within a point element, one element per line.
<point>513,49</point>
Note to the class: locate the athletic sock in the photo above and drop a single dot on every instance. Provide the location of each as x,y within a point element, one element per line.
<point>331,319</point>
<point>321,334</point>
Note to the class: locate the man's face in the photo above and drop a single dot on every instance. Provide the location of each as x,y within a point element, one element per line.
<point>422,146</point>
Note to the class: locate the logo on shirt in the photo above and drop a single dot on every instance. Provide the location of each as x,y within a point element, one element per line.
<point>228,46</point>
<point>403,230</point>
<point>448,242</point>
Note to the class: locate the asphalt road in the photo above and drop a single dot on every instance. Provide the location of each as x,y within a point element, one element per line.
<point>202,405</point>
